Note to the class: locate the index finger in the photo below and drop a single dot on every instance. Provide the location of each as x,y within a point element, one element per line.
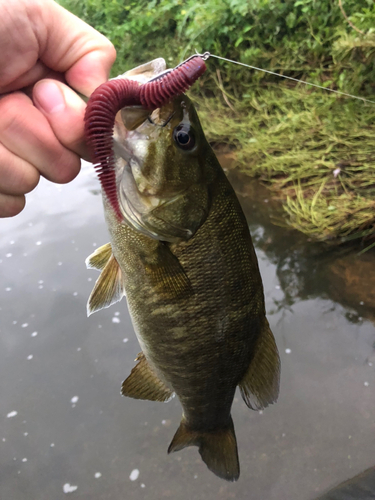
<point>38,34</point>
<point>76,49</point>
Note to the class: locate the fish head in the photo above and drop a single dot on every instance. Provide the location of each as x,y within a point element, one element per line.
<point>164,169</point>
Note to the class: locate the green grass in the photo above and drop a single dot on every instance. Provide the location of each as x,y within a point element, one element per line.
<point>314,150</point>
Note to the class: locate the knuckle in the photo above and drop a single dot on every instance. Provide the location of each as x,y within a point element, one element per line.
<point>111,51</point>
<point>17,177</point>
<point>11,107</point>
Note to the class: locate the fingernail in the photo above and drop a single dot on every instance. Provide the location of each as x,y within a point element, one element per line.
<point>48,97</point>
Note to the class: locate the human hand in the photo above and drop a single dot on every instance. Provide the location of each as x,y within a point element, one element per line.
<point>42,46</point>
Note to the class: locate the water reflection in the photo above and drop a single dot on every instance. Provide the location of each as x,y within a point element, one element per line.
<point>66,430</point>
<point>306,269</point>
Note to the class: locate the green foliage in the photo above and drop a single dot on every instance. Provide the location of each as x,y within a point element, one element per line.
<point>290,136</point>
<point>313,150</point>
<point>293,36</point>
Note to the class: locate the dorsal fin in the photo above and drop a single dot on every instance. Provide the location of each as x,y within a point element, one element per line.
<point>99,258</point>
<point>260,385</point>
<point>108,289</point>
<point>143,383</point>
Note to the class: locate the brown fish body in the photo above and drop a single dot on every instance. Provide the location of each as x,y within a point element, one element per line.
<point>200,338</point>
<point>184,258</point>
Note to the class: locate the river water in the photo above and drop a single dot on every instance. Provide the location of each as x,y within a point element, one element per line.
<point>67,432</point>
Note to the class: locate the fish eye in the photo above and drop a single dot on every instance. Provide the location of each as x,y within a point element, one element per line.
<point>184,137</point>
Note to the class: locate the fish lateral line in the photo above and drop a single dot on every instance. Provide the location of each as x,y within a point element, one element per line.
<point>206,55</point>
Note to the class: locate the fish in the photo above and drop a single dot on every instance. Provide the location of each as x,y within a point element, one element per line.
<point>180,250</point>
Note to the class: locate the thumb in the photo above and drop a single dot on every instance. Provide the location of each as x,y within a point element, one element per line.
<point>65,112</point>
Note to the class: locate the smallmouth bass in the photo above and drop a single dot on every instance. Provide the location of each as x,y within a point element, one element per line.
<point>182,253</point>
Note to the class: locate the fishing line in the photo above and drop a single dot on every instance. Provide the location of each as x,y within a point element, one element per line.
<point>206,55</point>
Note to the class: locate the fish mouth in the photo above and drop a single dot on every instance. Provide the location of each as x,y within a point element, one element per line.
<point>163,123</point>
<point>153,199</point>
<point>121,144</point>
<point>138,208</point>
<point>110,98</point>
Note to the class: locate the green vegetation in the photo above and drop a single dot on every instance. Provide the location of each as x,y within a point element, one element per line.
<point>312,148</point>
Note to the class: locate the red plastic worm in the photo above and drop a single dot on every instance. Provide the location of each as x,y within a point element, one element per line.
<point>157,93</point>
<point>113,95</point>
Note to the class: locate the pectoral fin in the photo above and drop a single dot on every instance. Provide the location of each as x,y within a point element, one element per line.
<point>260,385</point>
<point>143,383</point>
<point>109,287</point>
<point>99,258</point>
<point>167,274</point>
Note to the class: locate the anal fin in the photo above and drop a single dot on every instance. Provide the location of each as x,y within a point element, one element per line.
<point>108,289</point>
<point>143,383</point>
<point>260,385</point>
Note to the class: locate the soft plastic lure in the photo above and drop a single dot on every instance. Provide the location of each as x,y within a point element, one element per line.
<point>113,95</point>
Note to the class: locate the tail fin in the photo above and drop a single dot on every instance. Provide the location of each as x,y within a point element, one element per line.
<point>218,449</point>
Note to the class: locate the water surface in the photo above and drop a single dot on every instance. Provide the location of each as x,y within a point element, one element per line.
<point>65,429</point>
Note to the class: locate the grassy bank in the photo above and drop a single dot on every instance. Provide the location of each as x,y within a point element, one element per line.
<point>314,150</point>
<point>315,153</point>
